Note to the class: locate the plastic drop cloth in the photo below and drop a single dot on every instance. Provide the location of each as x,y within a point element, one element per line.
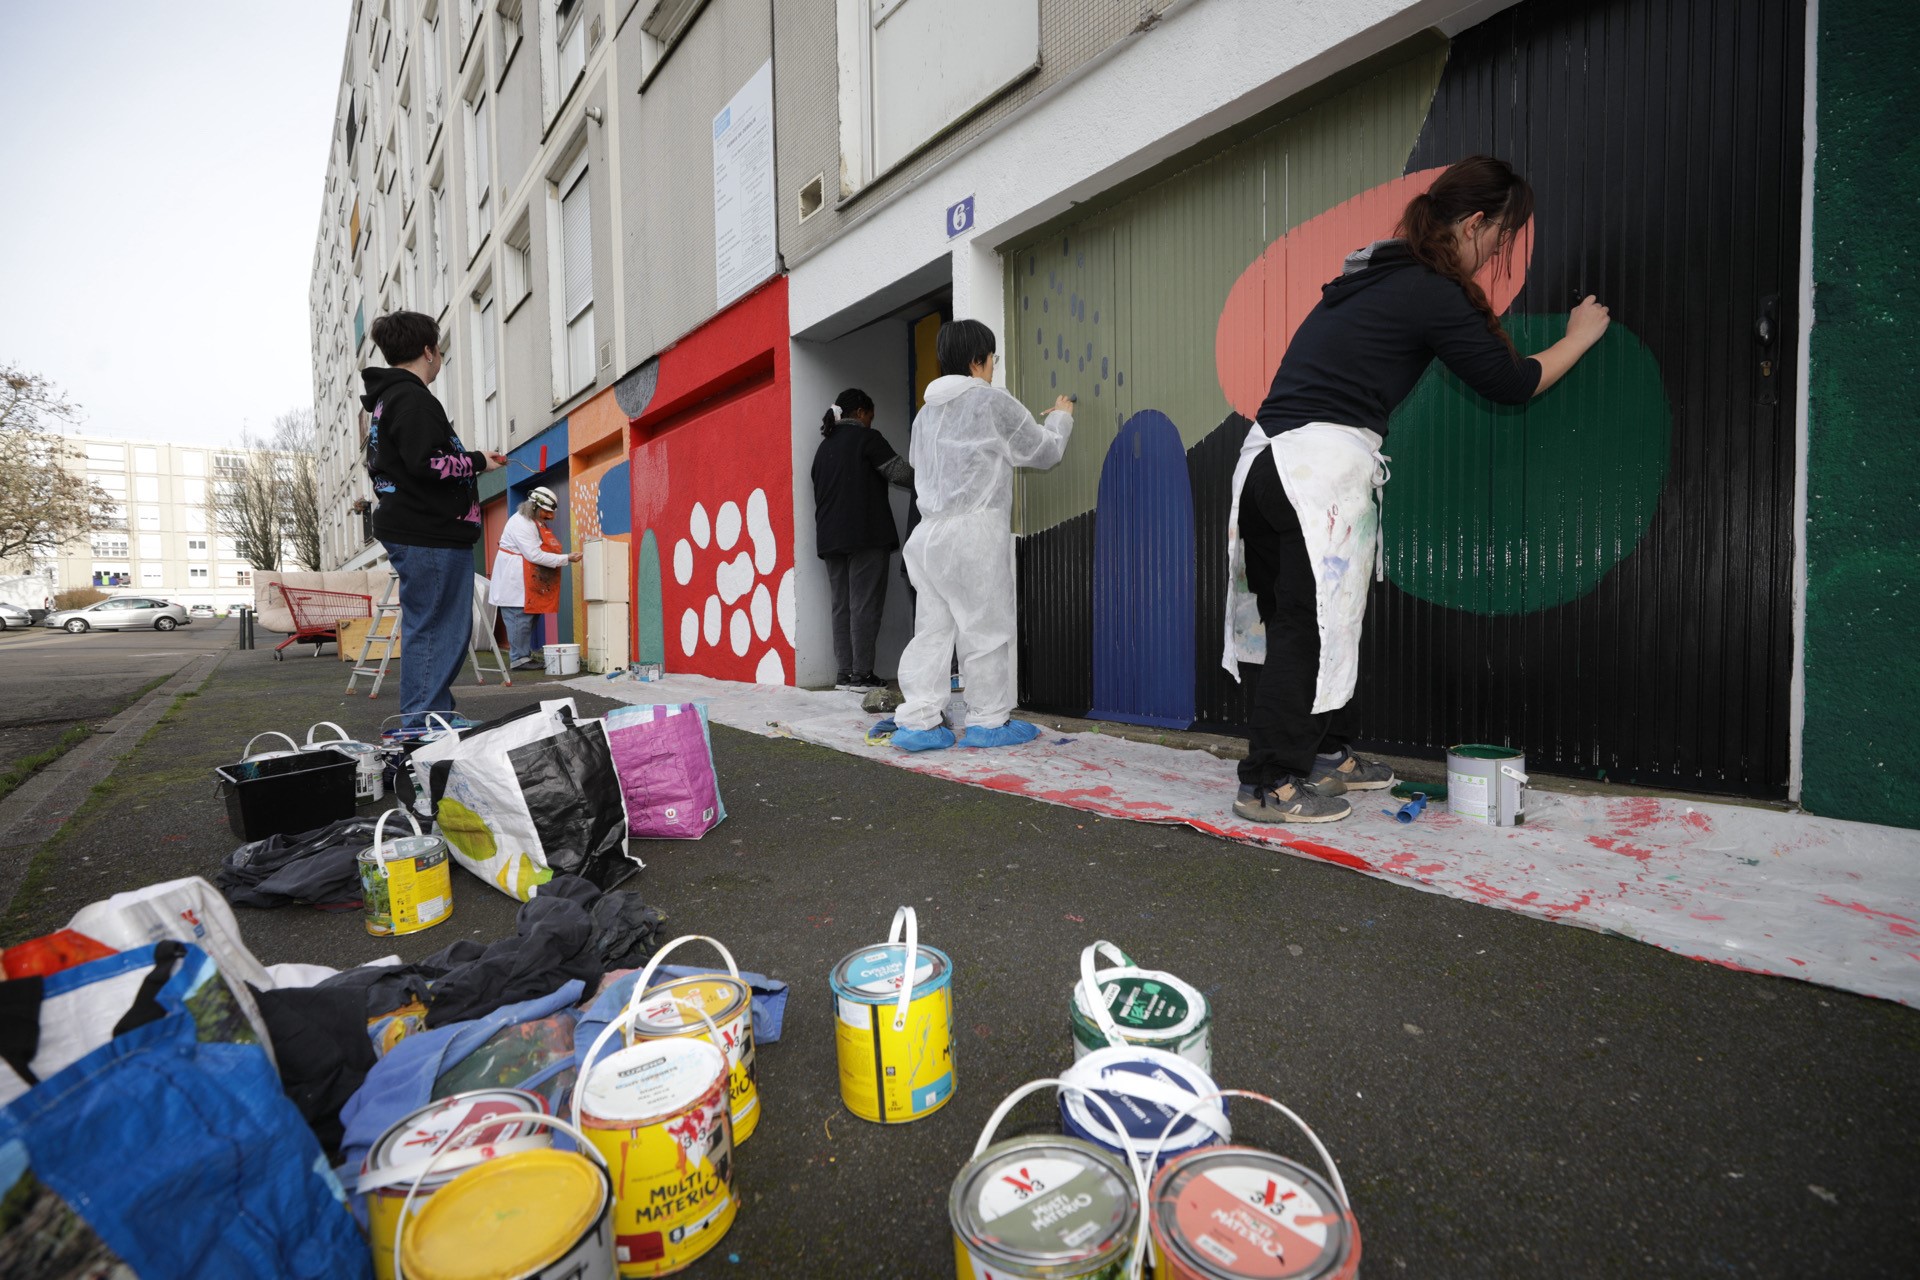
<point>966,443</point>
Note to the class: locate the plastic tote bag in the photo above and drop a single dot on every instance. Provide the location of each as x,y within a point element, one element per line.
<point>528,797</point>
<point>166,1151</point>
<point>664,755</point>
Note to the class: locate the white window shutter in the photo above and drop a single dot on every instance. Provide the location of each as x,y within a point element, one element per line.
<point>576,233</point>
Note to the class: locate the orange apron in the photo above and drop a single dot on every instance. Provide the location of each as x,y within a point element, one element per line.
<point>543,582</point>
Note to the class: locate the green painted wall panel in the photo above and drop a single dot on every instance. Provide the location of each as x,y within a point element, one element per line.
<point>1863,527</point>
<point>1122,307</point>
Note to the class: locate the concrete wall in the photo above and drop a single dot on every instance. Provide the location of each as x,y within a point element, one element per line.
<point>1862,674</point>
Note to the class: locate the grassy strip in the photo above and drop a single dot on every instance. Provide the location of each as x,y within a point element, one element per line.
<point>26,766</point>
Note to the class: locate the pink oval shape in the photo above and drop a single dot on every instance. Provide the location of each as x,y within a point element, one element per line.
<point>1274,294</point>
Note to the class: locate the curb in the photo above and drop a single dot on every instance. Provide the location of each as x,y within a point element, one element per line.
<point>35,813</point>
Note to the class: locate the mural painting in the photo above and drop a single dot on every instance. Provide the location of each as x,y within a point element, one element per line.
<point>1601,575</point>
<point>711,485</point>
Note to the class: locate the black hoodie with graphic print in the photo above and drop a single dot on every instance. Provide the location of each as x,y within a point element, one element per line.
<point>423,475</point>
<point>1375,330</point>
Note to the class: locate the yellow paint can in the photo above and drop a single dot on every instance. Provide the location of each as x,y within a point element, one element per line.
<point>894,1026</point>
<point>658,1113</point>
<point>536,1215</point>
<point>406,884</point>
<point>669,1010</point>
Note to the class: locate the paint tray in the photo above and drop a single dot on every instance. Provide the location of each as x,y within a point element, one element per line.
<point>283,795</point>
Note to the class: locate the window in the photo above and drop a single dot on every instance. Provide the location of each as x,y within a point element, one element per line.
<point>889,107</point>
<point>193,463</point>
<point>146,459</point>
<point>479,175</point>
<point>146,488</point>
<point>232,575</point>
<point>149,546</point>
<point>508,14</point>
<point>243,578</point>
<point>403,134</point>
<point>149,517</point>
<point>196,518</point>
<point>197,577</point>
<point>432,102</point>
<point>517,265</point>
<point>196,548</point>
<point>437,265</point>
<point>110,516</point>
<point>115,485</point>
<point>107,455</point>
<point>229,466</point>
<point>568,33</point>
<point>229,548</point>
<point>572,282</point>
<point>486,366</point>
<point>153,575</point>
<point>107,547</point>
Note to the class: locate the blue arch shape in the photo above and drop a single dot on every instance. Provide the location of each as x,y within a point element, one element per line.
<point>1143,578</point>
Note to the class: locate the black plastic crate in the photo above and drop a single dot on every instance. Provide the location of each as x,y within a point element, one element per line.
<point>285,794</point>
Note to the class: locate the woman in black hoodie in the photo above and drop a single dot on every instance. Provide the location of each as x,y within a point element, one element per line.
<point>1303,536</point>
<point>428,517</point>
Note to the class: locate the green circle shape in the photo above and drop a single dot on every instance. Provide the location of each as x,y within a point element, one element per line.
<point>1508,509</point>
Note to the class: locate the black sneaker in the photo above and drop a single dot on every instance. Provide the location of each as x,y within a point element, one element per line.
<point>1289,800</point>
<point>1355,773</point>
<point>863,681</point>
<point>843,680</point>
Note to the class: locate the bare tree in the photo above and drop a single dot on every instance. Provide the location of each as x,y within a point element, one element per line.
<point>295,445</point>
<point>44,503</point>
<point>245,503</point>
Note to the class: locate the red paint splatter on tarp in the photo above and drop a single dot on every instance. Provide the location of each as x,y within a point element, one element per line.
<point>1634,813</point>
<point>1905,930</point>
<point>1866,910</point>
<point>1398,861</point>
<point>1430,868</point>
<point>1697,820</point>
<point>1800,962</point>
<point>1612,845</point>
<point>1702,915</point>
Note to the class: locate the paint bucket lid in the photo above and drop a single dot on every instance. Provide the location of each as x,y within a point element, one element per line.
<point>427,848</point>
<point>1145,1004</point>
<point>1481,751</point>
<point>1234,1213</point>
<point>396,1159</point>
<point>508,1218</point>
<point>650,1082</point>
<point>1045,1206</point>
<point>871,975</point>
<point>717,995</point>
<point>1146,1088</point>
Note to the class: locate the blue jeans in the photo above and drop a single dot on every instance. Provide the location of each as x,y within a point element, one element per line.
<point>436,625</point>
<point>519,625</point>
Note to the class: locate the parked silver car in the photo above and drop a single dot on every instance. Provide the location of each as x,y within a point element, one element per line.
<point>12,615</point>
<point>122,613</point>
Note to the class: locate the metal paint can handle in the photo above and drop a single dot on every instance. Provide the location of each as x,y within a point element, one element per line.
<point>459,1139</point>
<point>1131,1156</point>
<point>905,918</point>
<point>1515,774</point>
<point>326,724</point>
<point>624,1021</point>
<point>1090,984</point>
<point>1333,1171</point>
<point>246,752</point>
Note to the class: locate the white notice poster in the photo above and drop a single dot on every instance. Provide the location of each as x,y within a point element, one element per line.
<point>743,208</point>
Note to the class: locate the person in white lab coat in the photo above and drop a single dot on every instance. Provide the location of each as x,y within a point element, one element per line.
<point>526,573</point>
<point>966,443</point>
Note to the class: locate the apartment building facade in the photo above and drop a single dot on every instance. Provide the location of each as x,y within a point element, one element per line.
<point>1142,197</point>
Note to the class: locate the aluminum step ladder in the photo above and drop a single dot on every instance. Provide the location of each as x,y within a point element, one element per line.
<point>387,636</point>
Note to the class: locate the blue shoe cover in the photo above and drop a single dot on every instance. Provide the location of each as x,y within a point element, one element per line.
<point>1010,734</point>
<point>881,731</point>
<point>923,739</point>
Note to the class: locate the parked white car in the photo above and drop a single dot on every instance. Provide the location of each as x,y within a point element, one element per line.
<point>122,613</point>
<point>12,615</point>
<point>201,611</point>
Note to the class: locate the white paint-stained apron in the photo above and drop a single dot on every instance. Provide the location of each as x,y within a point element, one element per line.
<point>1331,474</point>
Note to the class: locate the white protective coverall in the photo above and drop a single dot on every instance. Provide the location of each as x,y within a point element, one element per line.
<point>966,443</point>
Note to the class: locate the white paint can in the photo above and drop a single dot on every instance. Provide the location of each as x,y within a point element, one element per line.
<point>1484,784</point>
<point>561,659</point>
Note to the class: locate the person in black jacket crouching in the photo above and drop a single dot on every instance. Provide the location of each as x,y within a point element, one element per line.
<point>428,517</point>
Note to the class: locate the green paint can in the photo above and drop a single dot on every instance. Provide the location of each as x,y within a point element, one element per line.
<point>1125,1004</point>
<point>1484,784</point>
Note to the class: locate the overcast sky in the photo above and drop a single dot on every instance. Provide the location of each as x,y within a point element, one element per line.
<point>161,167</point>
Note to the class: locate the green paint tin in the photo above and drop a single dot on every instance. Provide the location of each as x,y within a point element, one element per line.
<point>1128,1005</point>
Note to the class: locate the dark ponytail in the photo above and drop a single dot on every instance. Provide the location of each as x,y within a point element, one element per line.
<point>848,403</point>
<point>1477,184</point>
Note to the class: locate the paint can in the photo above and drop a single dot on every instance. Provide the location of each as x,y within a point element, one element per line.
<point>658,1114</point>
<point>1126,1004</point>
<point>1484,784</point>
<point>1043,1207</point>
<point>248,755</point>
<point>472,1127</point>
<point>659,1012</point>
<point>561,659</point>
<point>1146,1090</point>
<point>527,1215</point>
<point>369,761</point>
<point>406,885</point>
<point>894,1026</point>
<point>1236,1213</point>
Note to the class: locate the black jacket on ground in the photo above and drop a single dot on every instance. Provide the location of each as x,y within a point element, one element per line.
<point>1374,331</point>
<point>851,511</point>
<point>422,473</point>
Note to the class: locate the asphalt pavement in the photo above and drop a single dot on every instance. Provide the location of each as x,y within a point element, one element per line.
<point>1505,1096</point>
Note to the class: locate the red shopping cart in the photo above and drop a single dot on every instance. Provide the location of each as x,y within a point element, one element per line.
<point>317,615</point>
